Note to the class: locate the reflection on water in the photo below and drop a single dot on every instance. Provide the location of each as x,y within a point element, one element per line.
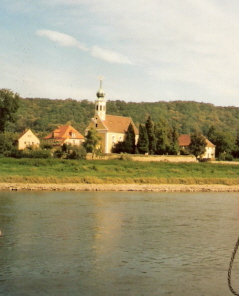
<point>96,243</point>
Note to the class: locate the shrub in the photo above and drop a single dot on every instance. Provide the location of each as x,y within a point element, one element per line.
<point>77,152</point>
<point>124,156</point>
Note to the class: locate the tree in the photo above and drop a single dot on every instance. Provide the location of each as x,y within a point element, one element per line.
<point>224,141</point>
<point>198,144</point>
<point>129,142</point>
<point>143,141</point>
<point>151,135</point>
<point>9,104</point>
<point>92,142</point>
<point>236,146</point>
<point>174,145</point>
<point>6,143</point>
<point>162,141</point>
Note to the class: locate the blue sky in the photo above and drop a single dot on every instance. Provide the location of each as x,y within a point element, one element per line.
<point>146,51</point>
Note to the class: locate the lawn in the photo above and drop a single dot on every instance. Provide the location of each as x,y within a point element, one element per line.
<point>115,171</point>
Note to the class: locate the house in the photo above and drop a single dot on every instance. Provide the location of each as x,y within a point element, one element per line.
<point>185,140</point>
<point>111,128</point>
<point>27,139</point>
<point>64,134</point>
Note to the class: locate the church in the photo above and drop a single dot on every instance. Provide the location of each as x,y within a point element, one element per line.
<point>110,128</point>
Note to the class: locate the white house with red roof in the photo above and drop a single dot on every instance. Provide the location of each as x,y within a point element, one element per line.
<point>111,128</point>
<point>27,139</point>
<point>64,134</point>
<point>185,140</point>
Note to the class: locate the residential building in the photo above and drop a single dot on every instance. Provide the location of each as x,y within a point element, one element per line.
<point>27,139</point>
<point>64,134</point>
<point>185,140</point>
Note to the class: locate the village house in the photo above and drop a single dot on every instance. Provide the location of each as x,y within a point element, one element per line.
<point>111,128</point>
<point>185,140</point>
<point>65,134</point>
<point>27,140</point>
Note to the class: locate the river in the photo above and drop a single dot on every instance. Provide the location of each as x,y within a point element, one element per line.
<point>117,244</point>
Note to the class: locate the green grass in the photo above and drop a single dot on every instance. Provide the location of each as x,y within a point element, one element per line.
<point>115,171</point>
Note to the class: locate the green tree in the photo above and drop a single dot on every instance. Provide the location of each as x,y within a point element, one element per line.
<point>236,146</point>
<point>224,141</point>
<point>149,125</point>
<point>143,141</point>
<point>162,140</point>
<point>198,144</point>
<point>9,104</point>
<point>6,143</point>
<point>129,142</point>
<point>92,142</point>
<point>174,145</point>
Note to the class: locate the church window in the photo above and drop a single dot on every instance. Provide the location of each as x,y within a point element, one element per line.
<point>100,108</point>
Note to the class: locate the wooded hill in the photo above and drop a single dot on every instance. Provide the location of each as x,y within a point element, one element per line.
<point>44,115</point>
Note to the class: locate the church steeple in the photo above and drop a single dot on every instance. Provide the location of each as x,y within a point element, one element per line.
<point>100,103</point>
<point>100,93</point>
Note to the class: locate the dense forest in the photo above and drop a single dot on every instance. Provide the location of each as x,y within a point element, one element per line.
<point>44,115</point>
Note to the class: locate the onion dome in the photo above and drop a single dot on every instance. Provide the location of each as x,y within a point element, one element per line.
<point>100,93</point>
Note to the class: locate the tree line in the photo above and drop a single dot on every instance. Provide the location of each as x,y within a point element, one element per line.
<point>163,122</point>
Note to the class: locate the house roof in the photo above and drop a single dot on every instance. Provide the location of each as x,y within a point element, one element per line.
<point>64,132</point>
<point>113,123</point>
<point>24,132</point>
<point>185,140</point>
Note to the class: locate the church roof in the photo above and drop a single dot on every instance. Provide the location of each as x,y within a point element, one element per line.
<point>119,124</point>
<point>113,123</point>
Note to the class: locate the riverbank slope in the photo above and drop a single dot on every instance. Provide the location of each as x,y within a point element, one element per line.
<point>120,187</point>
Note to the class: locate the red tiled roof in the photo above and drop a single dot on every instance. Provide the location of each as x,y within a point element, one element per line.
<point>185,140</point>
<point>114,124</point>
<point>118,124</point>
<point>64,132</point>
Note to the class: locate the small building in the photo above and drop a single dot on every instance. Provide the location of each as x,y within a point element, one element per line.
<point>185,140</point>
<point>110,128</point>
<point>65,134</point>
<point>27,139</point>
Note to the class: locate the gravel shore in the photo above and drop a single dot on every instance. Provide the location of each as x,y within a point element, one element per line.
<point>119,187</point>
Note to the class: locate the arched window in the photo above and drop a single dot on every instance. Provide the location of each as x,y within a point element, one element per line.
<point>100,108</point>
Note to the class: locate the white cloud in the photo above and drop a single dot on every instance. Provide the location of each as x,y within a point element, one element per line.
<point>96,51</point>
<point>62,39</point>
<point>109,56</point>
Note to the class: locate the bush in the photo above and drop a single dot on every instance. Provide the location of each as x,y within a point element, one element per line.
<point>35,154</point>
<point>124,156</point>
<point>77,152</point>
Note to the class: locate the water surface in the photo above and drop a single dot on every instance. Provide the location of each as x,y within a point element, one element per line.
<point>109,243</point>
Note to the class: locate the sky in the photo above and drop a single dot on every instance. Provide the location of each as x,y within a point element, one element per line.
<point>145,51</point>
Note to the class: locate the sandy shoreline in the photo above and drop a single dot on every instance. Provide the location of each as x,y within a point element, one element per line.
<point>119,187</point>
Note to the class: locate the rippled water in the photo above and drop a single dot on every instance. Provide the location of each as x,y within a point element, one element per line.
<point>103,243</point>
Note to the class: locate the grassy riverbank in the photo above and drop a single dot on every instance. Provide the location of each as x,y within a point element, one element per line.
<point>115,172</point>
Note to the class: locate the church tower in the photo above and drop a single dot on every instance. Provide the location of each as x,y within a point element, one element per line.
<point>100,103</point>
